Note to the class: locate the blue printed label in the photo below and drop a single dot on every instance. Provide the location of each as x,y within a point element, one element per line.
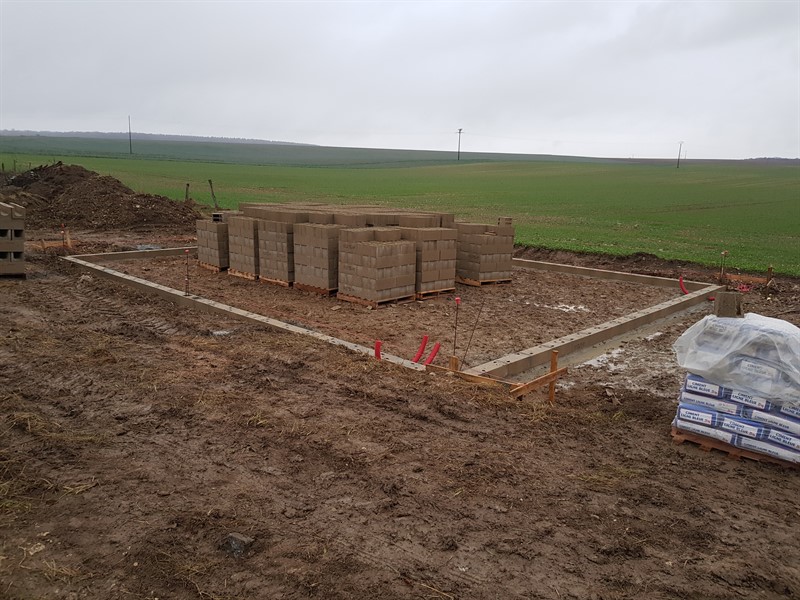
<point>696,416</point>
<point>702,387</point>
<point>784,439</point>
<point>749,400</point>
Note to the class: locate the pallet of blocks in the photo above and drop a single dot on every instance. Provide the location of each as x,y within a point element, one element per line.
<point>276,242</point>
<point>375,266</point>
<point>12,240</point>
<point>436,253</point>
<point>276,252</point>
<point>243,247</point>
<point>316,255</point>
<point>212,245</point>
<point>485,252</point>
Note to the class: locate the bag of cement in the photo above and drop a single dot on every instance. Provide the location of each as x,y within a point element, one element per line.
<point>773,420</point>
<point>717,405</point>
<point>699,415</point>
<point>767,448</point>
<point>784,439</point>
<point>694,384</point>
<point>709,432</point>
<point>790,410</point>
<point>740,426</point>
<point>757,355</point>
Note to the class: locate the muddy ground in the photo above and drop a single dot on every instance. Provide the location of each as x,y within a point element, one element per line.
<point>136,436</point>
<point>493,320</point>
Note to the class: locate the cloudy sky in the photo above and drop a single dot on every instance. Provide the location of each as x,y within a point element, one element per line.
<point>588,78</point>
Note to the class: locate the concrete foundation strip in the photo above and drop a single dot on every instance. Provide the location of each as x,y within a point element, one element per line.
<point>179,298</point>
<point>525,360</point>
<point>506,366</point>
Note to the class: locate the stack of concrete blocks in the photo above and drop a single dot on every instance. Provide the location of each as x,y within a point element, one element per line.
<point>276,242</point>
<point>316,254</point>
<point>484,252</point>
<point>243,246</point>
<point>212,244</point>
<point>376,265</point>
<point>12,239</point>
<point>436,253</point>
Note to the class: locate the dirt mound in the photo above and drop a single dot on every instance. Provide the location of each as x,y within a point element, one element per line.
<point>81,199</point>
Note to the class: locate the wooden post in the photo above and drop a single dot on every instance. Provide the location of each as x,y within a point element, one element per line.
<point>553,368</point>
<point>728,304</point>
<point>453,364</point>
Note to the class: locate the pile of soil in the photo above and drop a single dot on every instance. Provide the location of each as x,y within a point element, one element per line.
<point>69,195</point>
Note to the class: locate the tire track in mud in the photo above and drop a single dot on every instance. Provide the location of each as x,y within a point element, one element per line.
<point>118,313</point>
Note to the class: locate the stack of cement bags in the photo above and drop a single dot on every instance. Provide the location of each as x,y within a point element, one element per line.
<point>743,385</point>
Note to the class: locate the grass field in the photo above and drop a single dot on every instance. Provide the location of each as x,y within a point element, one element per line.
<point>749,208</point>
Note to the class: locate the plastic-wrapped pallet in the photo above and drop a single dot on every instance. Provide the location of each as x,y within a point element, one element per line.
<point>748,429</point>
<point>756,355</point>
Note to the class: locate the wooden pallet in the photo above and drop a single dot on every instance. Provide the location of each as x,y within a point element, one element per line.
<point>734,453</point>
<point>375,303</point>
<point>434,293</point>
<point>280,282</point>
<point>476,283</point>
<point>210,267</point>
<point>314,290</point>
<point>243,274</point>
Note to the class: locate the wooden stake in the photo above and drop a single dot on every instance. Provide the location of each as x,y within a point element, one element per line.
<point>453,364</point>
<point>553,369</point>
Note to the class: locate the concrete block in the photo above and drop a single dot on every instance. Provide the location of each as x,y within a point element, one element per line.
<point>387,234</point>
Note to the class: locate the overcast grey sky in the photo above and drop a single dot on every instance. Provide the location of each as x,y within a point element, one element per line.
<point>585,78</point>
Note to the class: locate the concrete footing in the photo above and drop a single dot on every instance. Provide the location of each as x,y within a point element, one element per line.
<point>503,367</point>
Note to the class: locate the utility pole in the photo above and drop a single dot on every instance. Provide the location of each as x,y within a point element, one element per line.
<point>130,136</point>
<point>680,147</point>
<point>459,143</point>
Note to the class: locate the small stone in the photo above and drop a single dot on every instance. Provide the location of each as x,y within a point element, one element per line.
<point>236,544</point>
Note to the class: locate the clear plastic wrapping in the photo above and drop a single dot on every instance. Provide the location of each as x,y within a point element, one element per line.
<point>756,354</point>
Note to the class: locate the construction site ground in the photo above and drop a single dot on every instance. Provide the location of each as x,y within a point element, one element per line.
<point>137,435</point>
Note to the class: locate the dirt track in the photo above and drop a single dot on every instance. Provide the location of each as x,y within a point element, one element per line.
<point>136,435</point>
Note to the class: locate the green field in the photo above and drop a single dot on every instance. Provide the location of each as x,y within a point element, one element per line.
<point>749,208</point>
